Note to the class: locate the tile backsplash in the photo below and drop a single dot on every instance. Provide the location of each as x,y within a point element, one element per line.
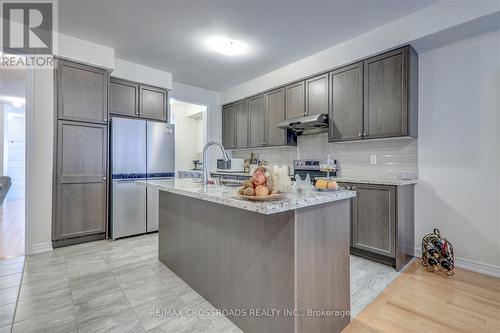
<point>396,158</point>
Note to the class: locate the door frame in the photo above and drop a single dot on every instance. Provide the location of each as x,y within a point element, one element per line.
<point>204,118</point>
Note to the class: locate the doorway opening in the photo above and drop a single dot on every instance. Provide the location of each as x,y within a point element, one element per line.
<point>13,161</point>
<point>190,136</point>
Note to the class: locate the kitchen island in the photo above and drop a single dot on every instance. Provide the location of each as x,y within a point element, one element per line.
<point>280,266</point>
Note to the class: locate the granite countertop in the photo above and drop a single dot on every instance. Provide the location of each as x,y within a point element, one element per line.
<point>229,173</point>
<point>375,180</point>
<point>228,196</point>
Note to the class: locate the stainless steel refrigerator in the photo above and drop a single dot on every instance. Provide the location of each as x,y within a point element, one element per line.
<point>139,150</point>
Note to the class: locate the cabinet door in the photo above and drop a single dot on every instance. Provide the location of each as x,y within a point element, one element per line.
<point>373,220</point>
<point>275,106</point>
<point>346,103</point>
<point>123,98</point>
<point>81,186</point>
<point>82,92</point>
<point>295,104</point>
<point>257,128</point>
<point>153,103</point>
<point>228,126</point>
<point>386,93</point>
<point>317,95</point>
<point>241,109</point>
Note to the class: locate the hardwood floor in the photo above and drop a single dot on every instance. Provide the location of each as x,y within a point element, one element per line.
<point>12,228</point>
<point>419,301</point>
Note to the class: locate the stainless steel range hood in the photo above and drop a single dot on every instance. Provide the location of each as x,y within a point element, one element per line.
<point>304,125</point>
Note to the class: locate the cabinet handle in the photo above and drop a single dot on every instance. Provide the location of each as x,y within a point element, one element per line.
<point>359,134</point>
<point>365,134</point>
<point>104,178</point>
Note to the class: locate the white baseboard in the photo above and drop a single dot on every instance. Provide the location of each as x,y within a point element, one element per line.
<point>41,248</point>
<point>470,265</point>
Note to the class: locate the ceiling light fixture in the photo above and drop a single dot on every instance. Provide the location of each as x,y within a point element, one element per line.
<point>16,102</point>
<point>227,46</point>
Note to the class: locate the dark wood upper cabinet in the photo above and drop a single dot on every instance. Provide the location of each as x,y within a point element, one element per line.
<point>134,99</point>
<point>390,89</point>
<point>123,98</point>
<point>317,94</point>
<point>346,103</point>
<point>228,126</point>
<point>257,120</point>
<point>295,100</point>
<point>82,92</point>
<point>373,98</point>
<point>241,124</point>
<point>81,185</point>
<point>275,107</point>
<point>374,219</point>
<point>153,103</point>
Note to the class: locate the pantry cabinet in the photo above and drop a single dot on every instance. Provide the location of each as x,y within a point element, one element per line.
<point>82,92</point>
<point>80,184</point>
<point>81,180</point>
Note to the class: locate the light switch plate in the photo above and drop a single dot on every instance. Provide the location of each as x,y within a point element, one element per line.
<point>373,159</point>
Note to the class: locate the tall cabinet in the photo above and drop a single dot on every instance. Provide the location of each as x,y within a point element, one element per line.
<point>80,167</point>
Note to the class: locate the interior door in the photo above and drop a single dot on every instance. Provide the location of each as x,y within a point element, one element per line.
<point>81,204</point>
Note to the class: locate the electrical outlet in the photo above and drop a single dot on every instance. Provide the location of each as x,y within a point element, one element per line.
<point>373,159</point>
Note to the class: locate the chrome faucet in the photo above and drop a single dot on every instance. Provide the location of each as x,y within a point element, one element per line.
<point>204,179</point>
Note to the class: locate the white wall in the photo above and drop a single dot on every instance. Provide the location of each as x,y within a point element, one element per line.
<point>188,133</point>
<point>211,99</point>
<point>135,72</point>
<point>430,20</point>
<point>83,51</point>
<point>459,149</point>
<point>39,155</point>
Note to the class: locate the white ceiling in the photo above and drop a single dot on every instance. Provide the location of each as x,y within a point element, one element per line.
<point>169,35</point>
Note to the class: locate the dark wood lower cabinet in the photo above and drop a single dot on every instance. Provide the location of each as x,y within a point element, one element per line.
<point>382,223</point>
<point>80,183</point>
